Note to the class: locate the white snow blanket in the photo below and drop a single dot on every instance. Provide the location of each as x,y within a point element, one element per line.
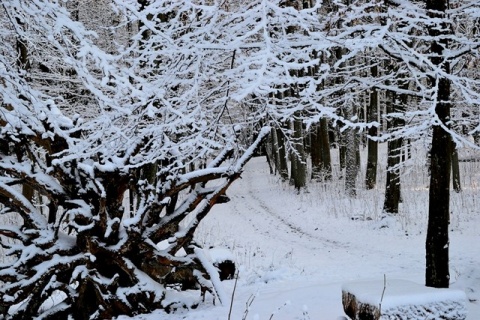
<point>401,299</point>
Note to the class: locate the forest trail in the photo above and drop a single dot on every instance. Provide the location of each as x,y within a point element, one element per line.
<point>292,247</point>
<point>268,221</point>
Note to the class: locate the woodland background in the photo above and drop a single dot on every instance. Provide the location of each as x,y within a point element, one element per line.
<point>124,122</point>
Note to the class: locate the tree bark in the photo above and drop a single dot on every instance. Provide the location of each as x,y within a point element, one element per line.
<point>457,186</point>
<point>326,158</point>
<point>298,161</point>
<point>342,150</point>
<point>437,243</point>
<point>269,148</point>
<point>274,150</point>
<point>437,253</point>
<point>351,155</point>
<point>321,160</point>
<point>393,185</point>
<point>282,155</point>
<point>372,155</point>
<point>316,153</point>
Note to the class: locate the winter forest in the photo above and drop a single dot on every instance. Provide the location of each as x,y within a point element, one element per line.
<point>124,123</point>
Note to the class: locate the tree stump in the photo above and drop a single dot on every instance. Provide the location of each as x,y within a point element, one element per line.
<point>400,299</point>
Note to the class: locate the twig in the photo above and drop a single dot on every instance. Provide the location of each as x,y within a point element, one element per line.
<point>383,293</point>
<point>247,306</point>
<point>233,295</point>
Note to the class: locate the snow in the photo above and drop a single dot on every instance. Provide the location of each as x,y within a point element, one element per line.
<point>399,293</point>
<point>404,300</point>
<point>294,252</point>
<point>220,255</point>
<point>212,271</point>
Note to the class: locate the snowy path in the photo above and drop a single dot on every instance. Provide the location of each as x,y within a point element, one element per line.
<point>295,251</point>
<point>264,219</point>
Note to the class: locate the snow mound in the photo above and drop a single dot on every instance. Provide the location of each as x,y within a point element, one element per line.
<point>400,299</point>
<point>218,255</point>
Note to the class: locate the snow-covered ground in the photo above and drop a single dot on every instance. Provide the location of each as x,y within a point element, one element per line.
<point>294,251</point>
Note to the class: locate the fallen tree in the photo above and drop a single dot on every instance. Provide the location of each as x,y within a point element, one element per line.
<point>100,145</point>
<point>87,251</point>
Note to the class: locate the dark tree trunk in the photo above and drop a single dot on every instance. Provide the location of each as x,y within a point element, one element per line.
<point>320,152</point>
<point>321,160</point>
<point>299,164</point>
<point>269,153</point>
<point>342,150</point>
<point>326,159</point>
<point>275,152</point>
<point>316,153</point>
<point>342,140</point>
<point>298,157</point>
<point>23,61</point>
<point>393,186</point>
<point>372,157</point>
<point>307,142</point>
<point>437,273</point>
<point>437,252</point>
<point>457,186</point>
<point>282,155</point>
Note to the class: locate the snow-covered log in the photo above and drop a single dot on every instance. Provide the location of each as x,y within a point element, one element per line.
<point>400,299</point>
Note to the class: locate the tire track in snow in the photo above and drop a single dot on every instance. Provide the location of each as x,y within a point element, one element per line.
<point>274,225</point>
<point>268,226</point>
<point>292,227</point>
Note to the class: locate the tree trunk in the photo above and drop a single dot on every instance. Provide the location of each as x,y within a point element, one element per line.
<point>298,155</point>
<point>393,186</point>
<point>323,164</point>
<point>326,158</point>
<point>269,153</point>
<point>437,253</point>
<point>299,164</point>
<point>372,157</point>
<point>351,155</point>
<point>342,150</point>
<point>437,273</point>
<point>316,153</point>
<point>342,135</point>
<point>457,186</point>
<point>394,153</point>
<point>282,155</point>
<point>293,167</point>
<point>352,142</point>
<point>274,150</point>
